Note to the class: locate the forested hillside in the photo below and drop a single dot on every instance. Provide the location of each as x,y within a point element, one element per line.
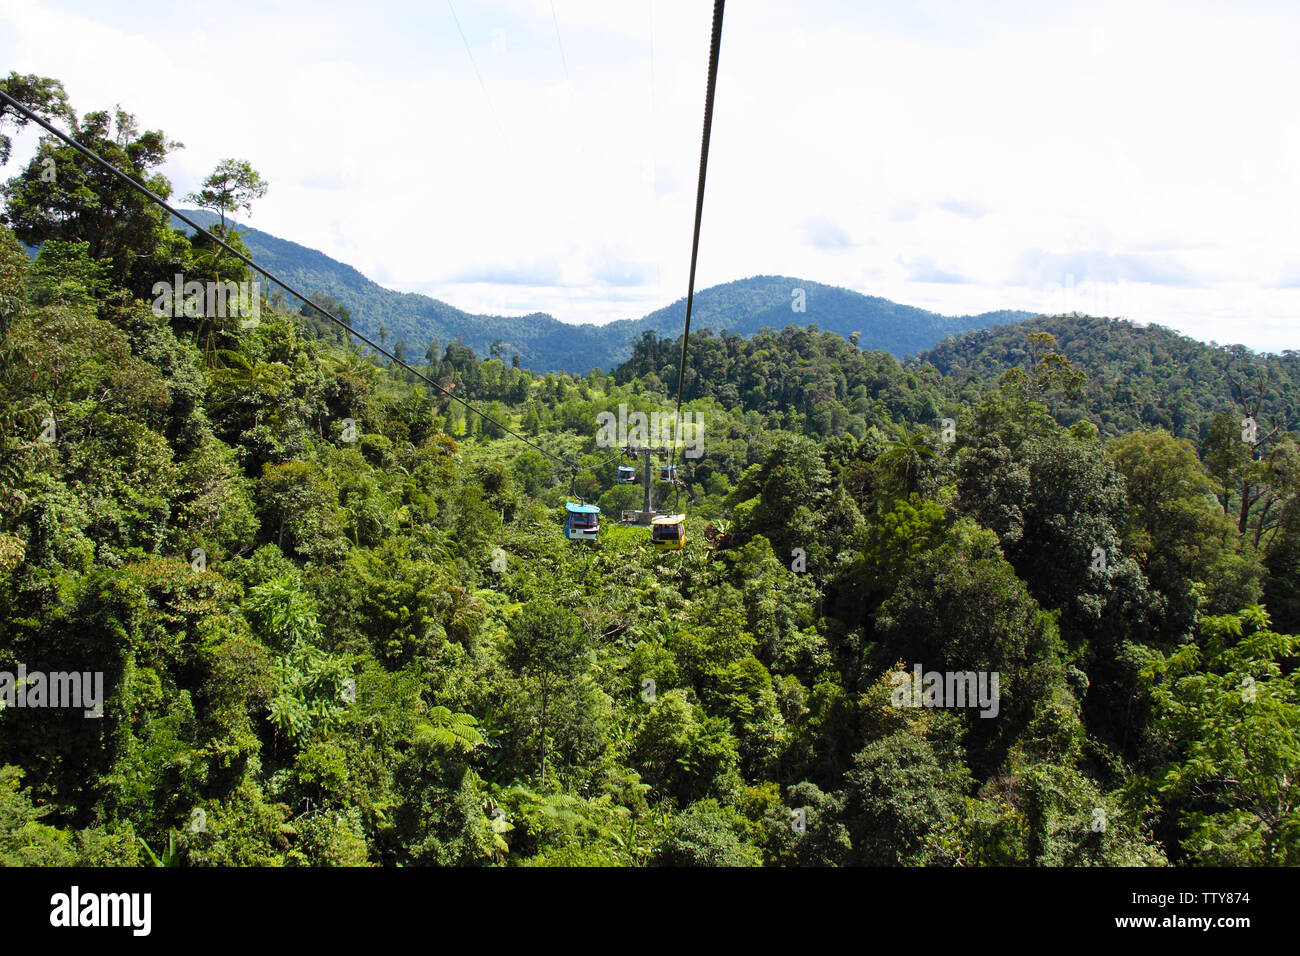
<point>1138,376</point>
<point>338,622</point>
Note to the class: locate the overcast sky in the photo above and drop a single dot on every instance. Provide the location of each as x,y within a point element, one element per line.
<point>1136,159</point>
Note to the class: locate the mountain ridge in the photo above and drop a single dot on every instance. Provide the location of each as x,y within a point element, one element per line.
<point>546,344</point>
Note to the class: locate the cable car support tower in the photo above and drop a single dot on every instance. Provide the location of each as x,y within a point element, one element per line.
<point>645,517</point>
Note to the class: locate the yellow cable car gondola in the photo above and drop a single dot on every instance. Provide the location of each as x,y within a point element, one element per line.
<point>668,532</point>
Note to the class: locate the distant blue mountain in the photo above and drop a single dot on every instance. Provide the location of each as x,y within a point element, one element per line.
<point>545,344</point>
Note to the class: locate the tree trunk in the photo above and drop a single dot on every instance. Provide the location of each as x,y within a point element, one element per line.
<point>544,735</point>
<point>1243,521</point>
<point>219,250</point>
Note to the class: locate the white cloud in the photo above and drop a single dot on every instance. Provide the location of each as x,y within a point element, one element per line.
<point>891,148</point>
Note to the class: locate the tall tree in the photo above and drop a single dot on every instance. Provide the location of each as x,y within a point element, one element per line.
<point>41,95</point>
<point>548,645</point>
<point>62,195</point>
<point>230,188</point>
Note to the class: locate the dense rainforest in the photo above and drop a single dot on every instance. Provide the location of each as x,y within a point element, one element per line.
<point>338,621</point>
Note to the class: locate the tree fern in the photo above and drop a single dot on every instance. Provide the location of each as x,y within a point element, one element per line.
<point>446,730</point>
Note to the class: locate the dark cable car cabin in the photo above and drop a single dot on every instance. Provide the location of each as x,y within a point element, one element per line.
<point>667,472</point>
<point>668,532</point>
<point>583,522</point>
<point>626,475</point>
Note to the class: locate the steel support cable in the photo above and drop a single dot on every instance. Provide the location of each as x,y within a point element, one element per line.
<point>714,48</point>
<point>602,464</point>
<point>474,63</point>
<point>95,157</point>
<point>575,471</point>
<point>563,60</point>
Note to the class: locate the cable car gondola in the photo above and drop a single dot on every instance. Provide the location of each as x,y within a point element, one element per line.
<point>583,521</point>
<point>668,532</point>
<point>626,475</point>
<point>667,472</point>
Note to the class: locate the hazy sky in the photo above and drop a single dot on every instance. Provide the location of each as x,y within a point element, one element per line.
<point>1137,159</point>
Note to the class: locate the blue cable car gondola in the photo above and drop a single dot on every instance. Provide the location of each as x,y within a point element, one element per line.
<point>667,472</point>
<point>583,522</point>
<point>626,475</point>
